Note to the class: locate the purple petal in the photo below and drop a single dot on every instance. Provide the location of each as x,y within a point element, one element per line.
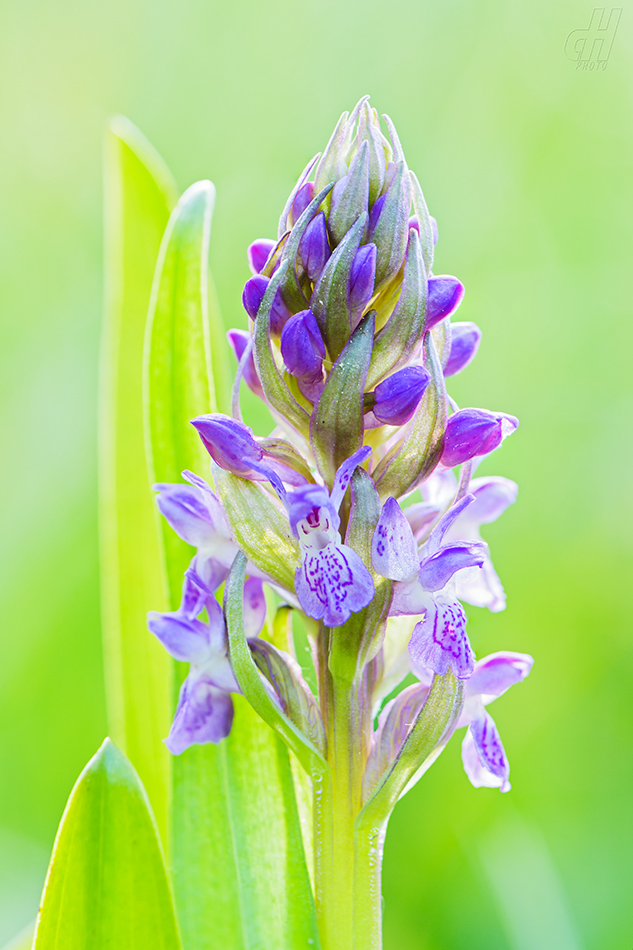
<point>481,587</point>
<point>186,640</point>
<point>445,296</point>
<point>229,443</point>
<point>254,607</point>
<point>445,523</point>
<point>301,200</point>
<point>345,472</point>
<point>204,714</point>
<point>361,281</point>
<point>314,249</point>
<point>239,340</point>
<point>440,642</point>
<point>397,397</point>
<point>186,510</point>
<point>437,570</point>
<point>332,584</point>
<point>420,515</point>
<point>375,213</point>
<point>302,346</point>
<point>253,294</point>
<point>301,503</point>
<point>493,494</point>
<point>474,432</point>
<point>496,673</point>
<point>258,253</point>
<point>394,553</point>
<point>490,767</point>
<point>465,339</point>
<point>195,593</point>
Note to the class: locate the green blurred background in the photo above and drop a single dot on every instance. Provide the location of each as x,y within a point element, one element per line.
<point>526,163</point>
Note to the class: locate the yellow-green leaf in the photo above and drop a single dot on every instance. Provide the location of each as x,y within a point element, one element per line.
<point>107,884</point>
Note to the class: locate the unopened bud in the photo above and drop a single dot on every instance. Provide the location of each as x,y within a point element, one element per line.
<point>445,296</point>
<point>465,338</point>
<point>474,432</point>
<point>301,201</point>
<point>302,346</point>
<point>229,443</point>
<point>414,223</point>
<point>258,253</point>
<point>397,397</point>
<point>239,340</point>
<point>361,282</point>
<point>314,249</point>
<point>252,296</point>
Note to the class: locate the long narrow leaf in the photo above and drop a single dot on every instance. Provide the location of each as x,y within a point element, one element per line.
<point>107,883</point>
<point>233,805</point>
<point>140,193</point>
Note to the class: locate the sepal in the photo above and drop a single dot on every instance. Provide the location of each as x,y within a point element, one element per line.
<point>391,229</point>
<point>350,196</point>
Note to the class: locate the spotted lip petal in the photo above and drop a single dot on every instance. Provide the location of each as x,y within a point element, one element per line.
<point>332,583</point>
<point>440,642</point>
<point>204,714</point>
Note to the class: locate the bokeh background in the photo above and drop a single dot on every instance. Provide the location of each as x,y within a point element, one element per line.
<point>526,163</point>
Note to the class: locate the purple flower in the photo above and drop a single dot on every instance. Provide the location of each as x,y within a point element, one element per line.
<point>205,709</point>
<point>465,339</point>
<point>196,515</point>
<point>445,296</point>
<point>414,223</point>
<point>229,443</point>
<point>471,433</point>
<point>483,755</point>
<point>361,281</point>
<point>331,582</point>
<point>425,585</point>
<point>492,495</point>
<point>302,346</point>
<point>252,296</point>
<point>239,340</point>
<point>314,248</point>
<point>398,396</point>
<point>258,253</point>
<point>301,200</point>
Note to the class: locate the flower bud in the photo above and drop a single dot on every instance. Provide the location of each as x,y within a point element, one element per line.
<point>414,223</point>
<point>350,196</point>
<point>258,253</point>
<point>445,296</point>
<point>314,249</point>
<point>239,340</point>
<point>397,397</point>
<point>465,338</point>
<point>474,432</point>
<point>229,443</point>
<point>253,293</point>
<point>361,281</point>
<point>252,296</point>
<point>301,200</point>
<point>302,345</point>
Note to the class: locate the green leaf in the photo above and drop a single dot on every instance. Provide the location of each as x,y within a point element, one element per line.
<point>236,837</point>
<point>140,193</point>
<point>336,431</point>
<point>179,380</point>
<point>259,526</point>
<point>107,884</point>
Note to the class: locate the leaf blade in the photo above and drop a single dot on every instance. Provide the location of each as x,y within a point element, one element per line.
<point>107,883</point>
<point>140,193</point>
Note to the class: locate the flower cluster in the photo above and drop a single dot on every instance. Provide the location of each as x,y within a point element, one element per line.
<point>351,340</point>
